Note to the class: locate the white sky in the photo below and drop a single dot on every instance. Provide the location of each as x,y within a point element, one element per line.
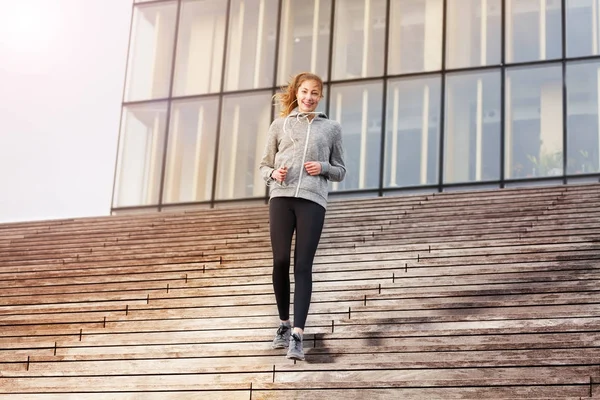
<point>62,68</point>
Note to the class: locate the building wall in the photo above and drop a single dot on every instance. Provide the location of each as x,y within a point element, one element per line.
<point>432,95</point>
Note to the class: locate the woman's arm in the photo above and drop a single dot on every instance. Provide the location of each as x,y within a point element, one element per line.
<point>335,169</point>
<point>267,163</point>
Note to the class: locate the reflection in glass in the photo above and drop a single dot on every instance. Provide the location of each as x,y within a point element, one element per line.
<point>357,107</point>
<point>533,30</point>
<point>304,40</point>
<point>472,127</point>
<point>251,44</point>
<point>200,43</point>
<point>415,41</point>
<point>412,134</point>
<point>244,126</point>
<point>583,20</point>
<point>139,163</point>
<point>190,150</point>
<point>358,42</point>
<point>583,113</point>
<point>151,53</point>
<point>473,33</point>
<point>533,122</point>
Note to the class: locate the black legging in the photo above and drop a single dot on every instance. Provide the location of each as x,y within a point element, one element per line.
<point>287,214</point>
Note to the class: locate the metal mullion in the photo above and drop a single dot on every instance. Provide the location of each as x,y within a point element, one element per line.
<point>153,2</point>
<point>330,57</point>
<point>474,69</point>
<point>275,68</point>
<point>233,200</point>
<point>220,106</point>
<point>186,204</point>
<point>502,64</point>
<point>585,58</point>
<point>443,100</point>
<point>169,102</point>
<point>133,7</point>
<point>274,86</point>
<point>534,63</point>
<point>502,91</point>
<point>134,208</point>
<point>147,101</point>
<point>356,80</point>
<point>540,179</point>
<point>353,192</point>
<point>232,92</point>
<point>112,197</point>
<point>415,74</point>
<point>564,88</point>
<point>384,103</point>
<point>434,187</point>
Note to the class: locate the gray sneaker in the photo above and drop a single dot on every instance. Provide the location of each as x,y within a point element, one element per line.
<point>295,351</point>
<point>282,338</point>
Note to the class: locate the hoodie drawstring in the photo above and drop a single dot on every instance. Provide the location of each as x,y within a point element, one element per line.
<point>285,123</point>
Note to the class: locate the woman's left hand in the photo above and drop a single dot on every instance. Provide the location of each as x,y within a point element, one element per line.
<point>313,167</point>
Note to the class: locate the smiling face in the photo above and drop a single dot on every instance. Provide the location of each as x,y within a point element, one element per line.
<point>308,95</point>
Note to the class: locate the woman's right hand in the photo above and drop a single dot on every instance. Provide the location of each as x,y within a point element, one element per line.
<point>279,174</point>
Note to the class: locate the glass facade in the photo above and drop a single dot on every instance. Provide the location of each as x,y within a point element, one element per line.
<point>473,33</point>
<point>358,39</point>
<point>583,117</point>
<point>533,30</point>
<point>245,120</point>
<point>415,36</point>
<point>472,127</point>
<point>200,43</point>
<point>141,148</point>
<point>432,95</point>
<point>151,49</point>
<point>413,131</point>
<point>533,129</point>
<point>357,107</point>
<point>304,38</point>
<point>191,150</point>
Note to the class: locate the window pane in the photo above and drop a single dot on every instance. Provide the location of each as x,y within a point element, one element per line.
<point>151,53</point>
<point>357,107</point>
<point>358,43</point>
<point>472,127</point>
<point>473,33</point>
<point>244,127</point>
<point>191,150</point>
<point>583,113</point>
<point>533,30</point>
<point>413,129</point>
<point>200,44</point>
<point>139,163</point>
<point>583,18</point>
<point>251,44</point>
<point>534,124</point>
<point>304,41</point>
<point>415,36</point>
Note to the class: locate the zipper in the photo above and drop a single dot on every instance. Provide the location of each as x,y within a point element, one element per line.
<point>303,158</point>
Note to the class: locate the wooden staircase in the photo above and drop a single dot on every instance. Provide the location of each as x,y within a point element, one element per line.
<point>466,295</point>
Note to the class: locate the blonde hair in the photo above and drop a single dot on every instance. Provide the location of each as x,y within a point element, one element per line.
<point>287,97</point>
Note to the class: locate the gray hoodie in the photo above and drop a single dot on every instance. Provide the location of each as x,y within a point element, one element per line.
<point>294,140</point>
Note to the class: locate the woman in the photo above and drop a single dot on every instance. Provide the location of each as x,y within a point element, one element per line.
<point>304,151</point>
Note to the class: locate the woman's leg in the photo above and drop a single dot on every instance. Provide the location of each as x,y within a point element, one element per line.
<point>309,225</point>
<point>282,222</point>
